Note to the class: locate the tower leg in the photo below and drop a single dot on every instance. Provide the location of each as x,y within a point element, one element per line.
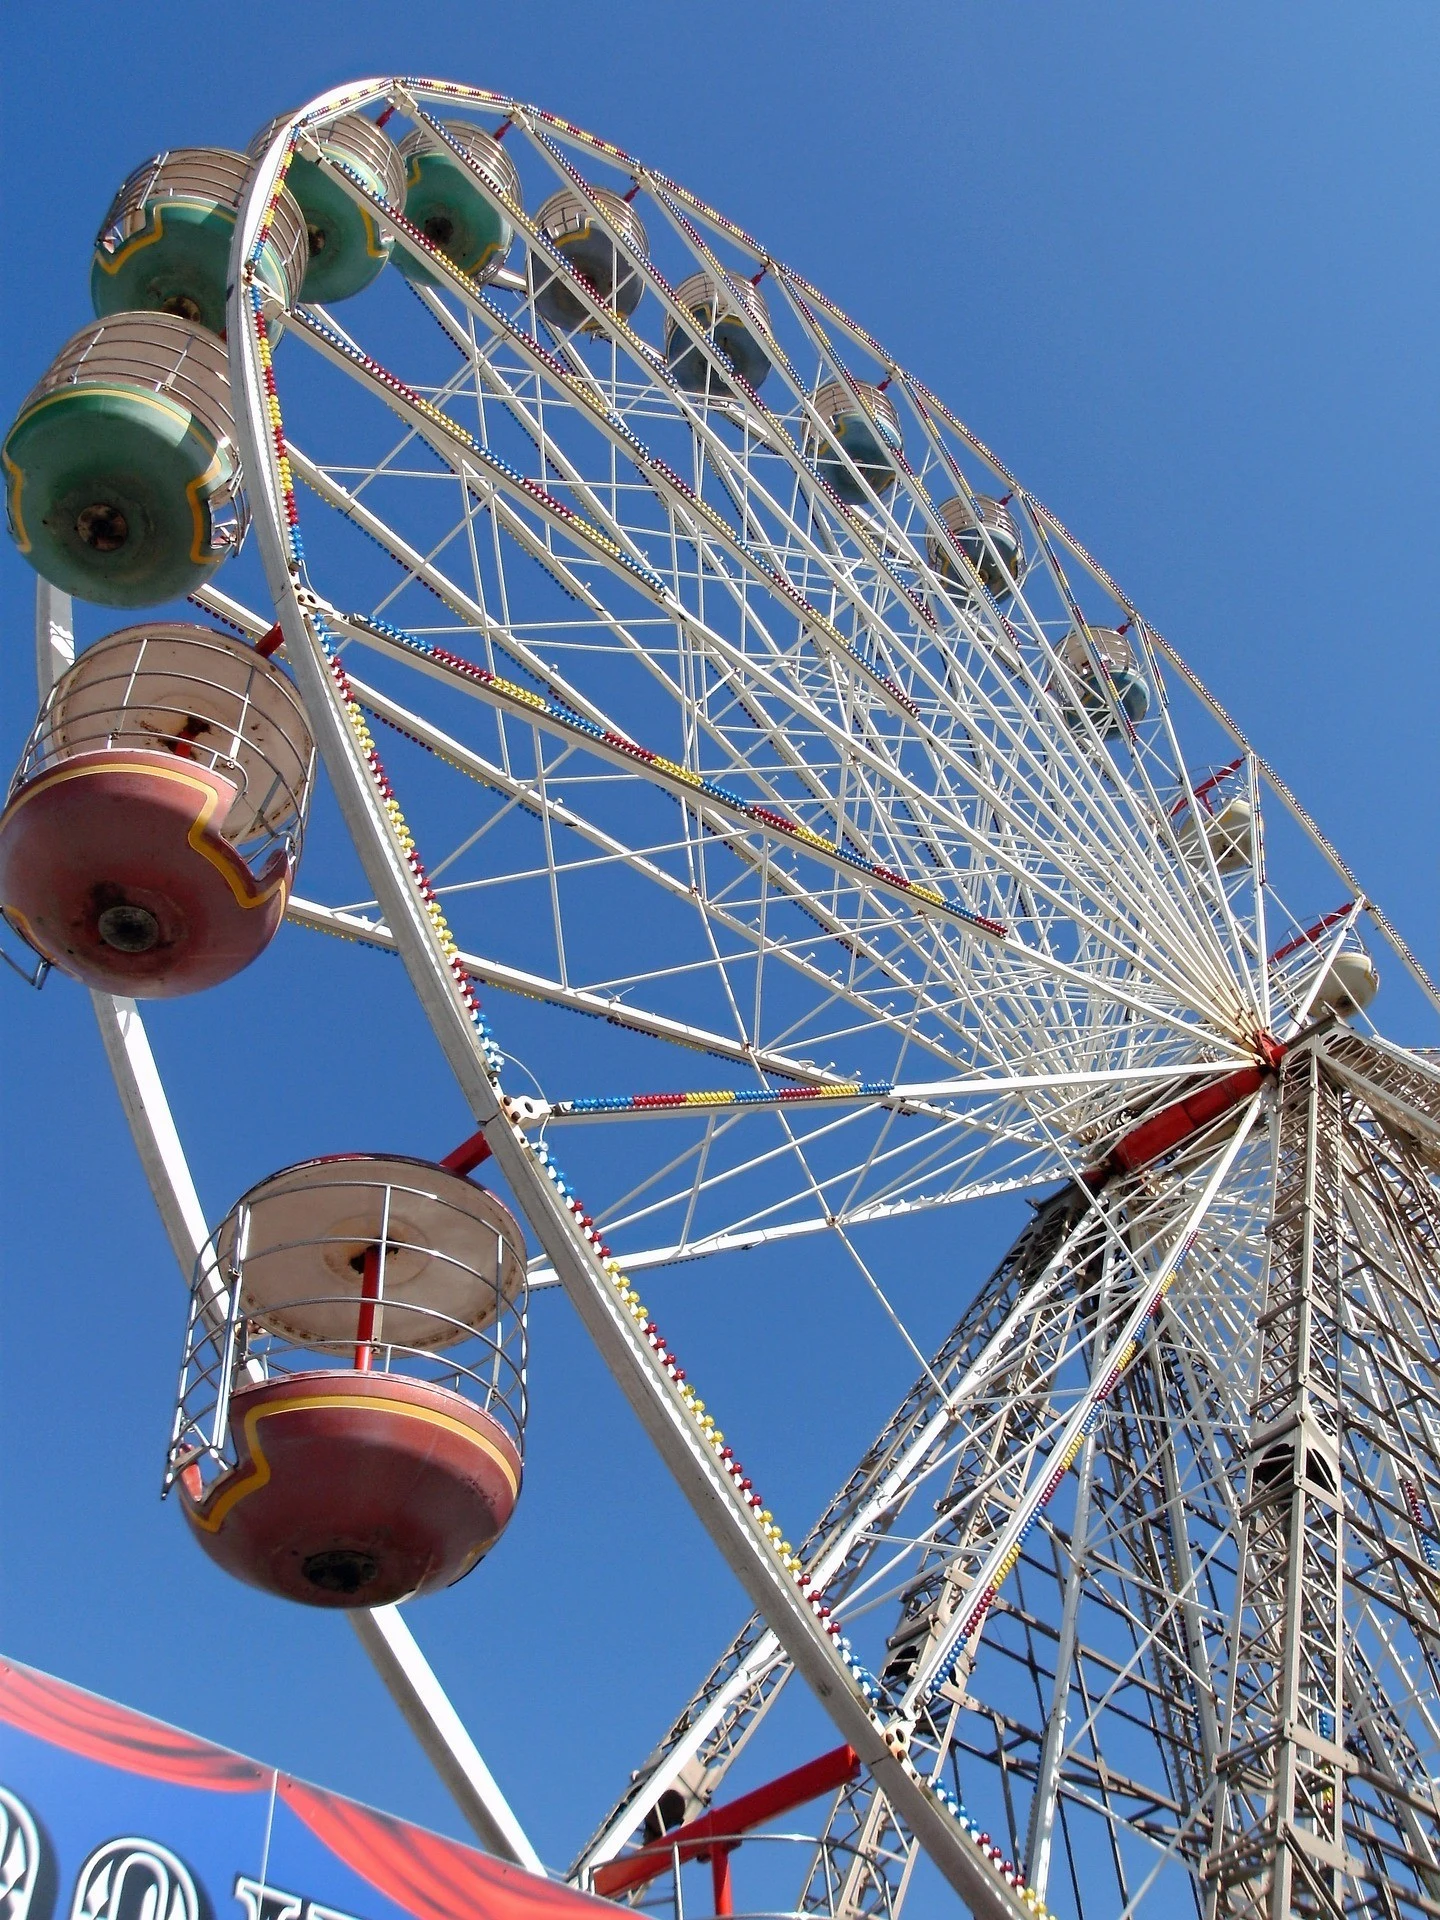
<point>1278,1848</point>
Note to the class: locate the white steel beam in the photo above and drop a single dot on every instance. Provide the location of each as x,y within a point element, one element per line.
<point>664,1413</point>
<point>436,1725</point>
<point>383,1634</point>
<point>345,924</point>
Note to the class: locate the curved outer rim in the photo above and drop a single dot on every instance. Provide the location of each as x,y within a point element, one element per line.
<point>671,1427</point>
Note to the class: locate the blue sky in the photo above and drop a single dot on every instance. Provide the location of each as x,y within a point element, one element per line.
<point>1177,265</point>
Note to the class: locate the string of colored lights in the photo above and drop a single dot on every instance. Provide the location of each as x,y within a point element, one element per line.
<point>1424,1524</point>
<point>565,720</point>
<point>762,1517</point>
<point>713,1097</point>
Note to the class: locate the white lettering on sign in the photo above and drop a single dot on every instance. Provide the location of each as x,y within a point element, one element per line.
<point>273,1903</point>
<point>266,1903</point>
<point>134,1879</point>
<point>19,1856</point>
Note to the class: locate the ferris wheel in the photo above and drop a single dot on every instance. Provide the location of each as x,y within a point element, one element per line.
<point>677,659</point>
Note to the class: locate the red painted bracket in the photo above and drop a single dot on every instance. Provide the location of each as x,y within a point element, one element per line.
<point>468,1155</point>
<point>719,1830</point>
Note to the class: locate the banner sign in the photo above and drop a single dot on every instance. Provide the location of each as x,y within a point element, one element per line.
<point>108,1815</point>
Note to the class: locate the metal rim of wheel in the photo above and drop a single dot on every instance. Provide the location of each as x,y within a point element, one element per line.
<point>677,705</point>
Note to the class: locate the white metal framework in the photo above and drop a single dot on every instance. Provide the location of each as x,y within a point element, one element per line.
<point>668,702</point>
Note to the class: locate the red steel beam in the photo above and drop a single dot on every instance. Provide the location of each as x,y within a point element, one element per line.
<point>696,1838</point>
<point>1160,1133</point>
<point>1205,787</point>
<point>468,1155</point>
<point>1311,934</point>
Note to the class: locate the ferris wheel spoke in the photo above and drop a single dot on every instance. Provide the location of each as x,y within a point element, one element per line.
<point>496,634</point>
<point>683,504</point>
<point>452,751</point>
<point>526,792</point>
<point>1192,680</point>
<point>719,810</point>
<point>442,450</point>
<point>611,1008</point>
<point>497,487</point>
<point>684,786</point>
<point>982,1133</point>
<point>919,1097</point>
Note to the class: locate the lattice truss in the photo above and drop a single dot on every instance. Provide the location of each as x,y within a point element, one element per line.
<point>1133,1713</point>
<point>765,779</point>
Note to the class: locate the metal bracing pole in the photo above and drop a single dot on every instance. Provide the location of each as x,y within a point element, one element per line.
<point>1047,1779</point>
<point>600,1299</point>
<point>1185,1579</point>
<point>54,635</point>
<point>1278,1845</point>
<point>1377,1736</point>
<point>878,1840</point>
<point>1400,1088</point>
<point>390,1643</point>
<point>435,1723</point>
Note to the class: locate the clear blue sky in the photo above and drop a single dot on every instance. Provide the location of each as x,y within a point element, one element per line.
<point>1178,266</point>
